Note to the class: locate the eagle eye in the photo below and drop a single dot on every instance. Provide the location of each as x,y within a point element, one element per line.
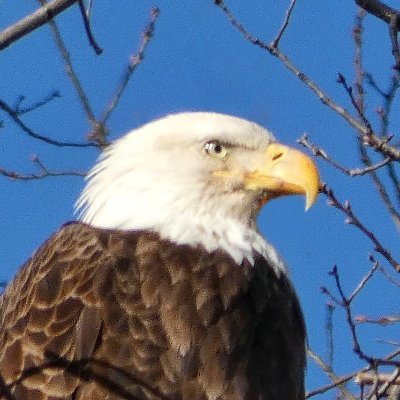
<point>215,148</point>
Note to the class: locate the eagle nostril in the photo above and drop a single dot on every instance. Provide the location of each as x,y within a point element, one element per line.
<point>277,156</point>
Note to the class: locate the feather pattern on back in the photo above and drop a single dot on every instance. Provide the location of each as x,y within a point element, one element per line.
<point>105,314</point>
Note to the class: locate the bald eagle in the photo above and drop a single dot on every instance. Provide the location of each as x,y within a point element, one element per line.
<point>164,288</point>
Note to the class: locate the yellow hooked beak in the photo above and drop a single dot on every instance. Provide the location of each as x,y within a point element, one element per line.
<point>285,171</point>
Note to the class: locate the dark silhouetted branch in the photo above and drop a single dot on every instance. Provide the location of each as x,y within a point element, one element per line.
<point>15,116</point>
<point>360,101</point>
<point>352,219</point>
<point>33,21</point>
<point>24,110</point>
<point>88,29</point>
<point>346,304</point>
<point>378,9</point>
<point>371,140</point>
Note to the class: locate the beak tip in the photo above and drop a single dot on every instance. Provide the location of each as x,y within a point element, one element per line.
<point>311,198</point>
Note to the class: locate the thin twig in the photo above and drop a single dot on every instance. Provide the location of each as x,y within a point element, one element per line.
<point>327,292</point>
<point>330,308</point>
<point>389,277</point>
<point>346,304</point>
<point>47,99</point>
<point>369,140</point>
<point>33,21</point>
<point>319,152</point>
<point>338,382</point>
<point>389,97</point>
<point>373,393</point>
<point>358,58</point>
<point>358,105</point>
<point>390,342</point>
<point>387,108</point>
<point>15,116</point>
<point>372,82</point>
<point>134,63</point>
<point>88,29</point>
<point>359,102</point>
<point>89,9</point>
<point>396,184</point>
<point>393,29</point>
<point>380,187</point>
<point>275,42</point>
<point>289,65</point>
<point>353,220</point>
<point>71,72</point>
<point>384,320</point>
<point>364,281</point>
<point>391,381</point>
<point>18,176</point>
<point>44,172</point>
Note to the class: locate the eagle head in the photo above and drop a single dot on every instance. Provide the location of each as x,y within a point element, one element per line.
<point>196,178</point>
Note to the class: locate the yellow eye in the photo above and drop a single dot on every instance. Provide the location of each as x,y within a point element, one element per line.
<point>215,148</point>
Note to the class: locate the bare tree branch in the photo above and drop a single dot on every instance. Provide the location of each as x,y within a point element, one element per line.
<point>384,113</point>
<point>384,320</point>
<point>134,63</point>
<point>353,220</point>
<point>88,29</point>
<point>37,104</point>
<point>359,103</point>
<point>378,9</point>
<point>275,42</point>
<point>71,72</point>
<point>318,152</point>
<point>346,304</point>
<point>393,29</point>
<point>389,277</point>
<point>371,140</point>
<point>386,383</point>
<point>388,96</point>
<point>368,378</point>
<point>43,173</point>
<point>330,348</point>
<point>15,116</point>
<point>337,382</point>
<point>364,281</point>
<point>33,21</point>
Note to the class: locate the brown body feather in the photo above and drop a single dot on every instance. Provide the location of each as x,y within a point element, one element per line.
<point>102,314</point>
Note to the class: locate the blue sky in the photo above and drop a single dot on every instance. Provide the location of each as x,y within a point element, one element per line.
<point>197,61</point>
